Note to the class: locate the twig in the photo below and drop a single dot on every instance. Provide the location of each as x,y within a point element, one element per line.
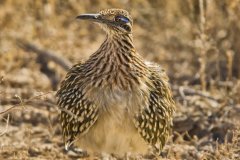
<point>1,79</point>
<point>29,102</point>
<point>6,128</point>
<point>203,50</point>
<point>230,56</point>
<point>24,102</point>
<point>188,91</point>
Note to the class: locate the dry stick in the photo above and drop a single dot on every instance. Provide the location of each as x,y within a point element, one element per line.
<point>189,91</point>
<point>230,55</point>
<point>6,128</point>
<point>8,110</point>
<point>29,101</point>
<point>202,58</point>
<point>64,63</point>
<point>22,102</point>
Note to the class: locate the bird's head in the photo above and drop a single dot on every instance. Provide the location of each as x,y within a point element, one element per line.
<point>113,21</point>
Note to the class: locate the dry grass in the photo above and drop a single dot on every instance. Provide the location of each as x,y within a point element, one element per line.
<point>197,42</point>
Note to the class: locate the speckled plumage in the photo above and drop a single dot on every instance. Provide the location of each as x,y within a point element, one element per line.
<point>116,102</point>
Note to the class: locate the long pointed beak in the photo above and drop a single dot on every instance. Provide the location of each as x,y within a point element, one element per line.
<point>92,17</point>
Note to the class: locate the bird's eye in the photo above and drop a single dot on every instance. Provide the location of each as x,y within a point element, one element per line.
<point>121,19</point>
<point>127,28</point>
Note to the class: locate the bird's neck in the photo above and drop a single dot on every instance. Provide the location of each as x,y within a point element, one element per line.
<point>115,61</point>
<point>118,50</point>
<point>115,50</point>
<point>119,43</point>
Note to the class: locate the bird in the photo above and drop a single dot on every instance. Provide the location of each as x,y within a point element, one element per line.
<point>116,102</point>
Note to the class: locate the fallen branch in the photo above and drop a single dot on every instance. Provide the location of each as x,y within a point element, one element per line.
<point>64,63</point>
<point>189,91</point>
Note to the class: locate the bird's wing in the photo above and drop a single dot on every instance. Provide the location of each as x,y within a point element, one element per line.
<point>154,121</point>
<point>78,113</point>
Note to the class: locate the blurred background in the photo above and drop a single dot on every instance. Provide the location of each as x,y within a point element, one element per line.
<point>196,41</point>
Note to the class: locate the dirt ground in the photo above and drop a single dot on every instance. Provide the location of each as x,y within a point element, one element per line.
<point>197,42</point>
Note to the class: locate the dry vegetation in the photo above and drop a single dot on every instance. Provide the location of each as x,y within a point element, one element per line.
<point>196,41</point>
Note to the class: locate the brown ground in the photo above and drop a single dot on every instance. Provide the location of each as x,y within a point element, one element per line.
<point>199,50</point>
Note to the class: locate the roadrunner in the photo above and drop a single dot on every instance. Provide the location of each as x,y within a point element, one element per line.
<point>115,102</point>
